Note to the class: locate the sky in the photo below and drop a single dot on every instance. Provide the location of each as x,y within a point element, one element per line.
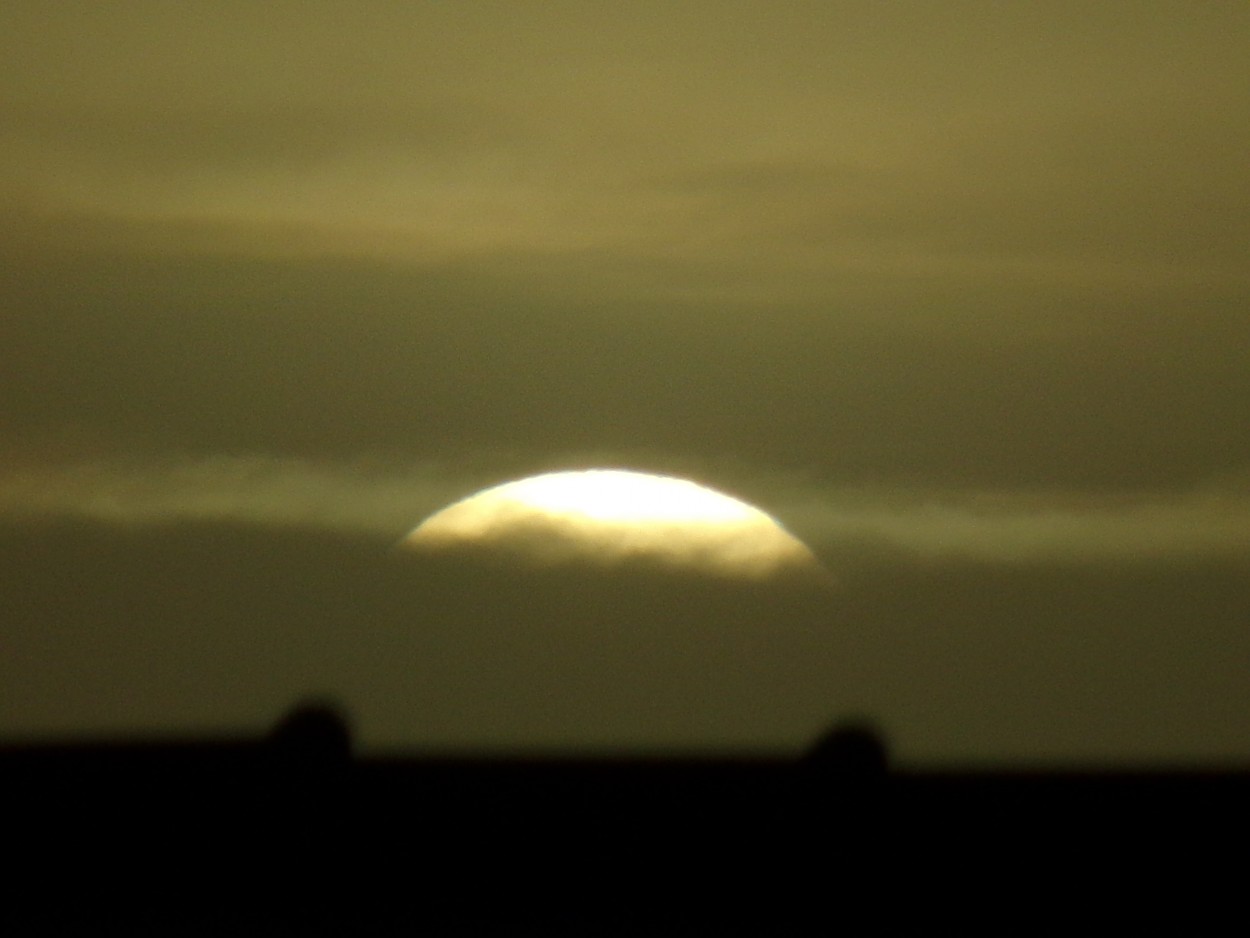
<point>955,291</point>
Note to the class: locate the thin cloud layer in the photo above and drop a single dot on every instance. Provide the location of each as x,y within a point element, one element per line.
<point>845,526</point>
<point>352,498</point>
<point>1027,528</point>
<point>766,145</point>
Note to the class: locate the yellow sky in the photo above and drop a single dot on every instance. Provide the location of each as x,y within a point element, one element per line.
<point>956,290</point>
<point>789,142</point>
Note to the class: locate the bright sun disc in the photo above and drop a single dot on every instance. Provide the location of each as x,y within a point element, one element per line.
<point>610,516</point>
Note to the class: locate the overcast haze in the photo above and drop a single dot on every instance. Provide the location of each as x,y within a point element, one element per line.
<point>957,291</point>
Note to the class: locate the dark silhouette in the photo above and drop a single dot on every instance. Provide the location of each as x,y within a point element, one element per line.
<point>315,733</point>
<point>850,751</point>
<point>290,833</point>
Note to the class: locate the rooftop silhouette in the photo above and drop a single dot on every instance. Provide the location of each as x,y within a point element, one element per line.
<point>292,828</point>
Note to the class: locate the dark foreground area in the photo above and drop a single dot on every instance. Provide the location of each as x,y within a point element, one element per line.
<point>291,834</point>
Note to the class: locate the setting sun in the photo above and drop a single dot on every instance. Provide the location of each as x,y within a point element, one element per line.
<point>610,516</point>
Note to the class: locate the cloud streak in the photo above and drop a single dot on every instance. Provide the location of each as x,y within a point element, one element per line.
<point>1030,528</point>
<point>844,525</point>
<point>352,497</point>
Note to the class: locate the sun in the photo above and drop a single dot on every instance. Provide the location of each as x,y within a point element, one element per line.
<point>610,517</point>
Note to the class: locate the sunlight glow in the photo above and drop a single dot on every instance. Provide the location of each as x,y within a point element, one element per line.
<point>630,497</point>
<point>608,516</point>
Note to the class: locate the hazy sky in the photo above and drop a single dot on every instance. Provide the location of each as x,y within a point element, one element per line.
<point>958,291</point>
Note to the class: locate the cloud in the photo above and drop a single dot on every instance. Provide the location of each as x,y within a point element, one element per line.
<point>843,525</point>
<point>358,497</point>
<point>1021,527</point>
